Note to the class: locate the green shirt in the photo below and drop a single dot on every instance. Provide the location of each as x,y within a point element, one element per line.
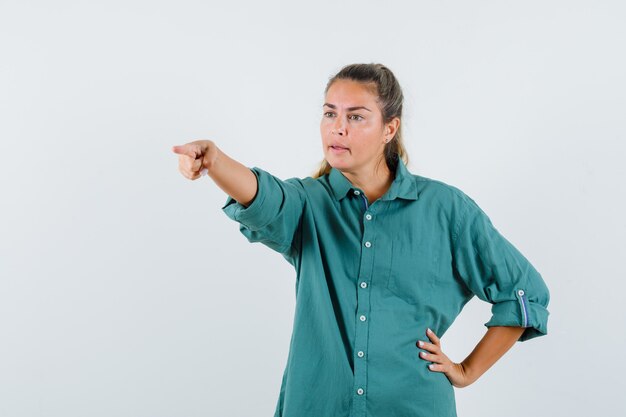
<point>371,278</point>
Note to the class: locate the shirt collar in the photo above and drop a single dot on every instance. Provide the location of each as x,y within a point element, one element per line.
<point>403,185</point>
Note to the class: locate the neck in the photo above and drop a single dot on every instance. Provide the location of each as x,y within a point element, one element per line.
<point>374,183</point>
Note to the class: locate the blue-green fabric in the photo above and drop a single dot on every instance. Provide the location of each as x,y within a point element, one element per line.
<point>370,279</point>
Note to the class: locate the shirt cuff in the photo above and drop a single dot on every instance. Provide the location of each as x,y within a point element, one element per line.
<point>521,313</point>
<point>262,209</point>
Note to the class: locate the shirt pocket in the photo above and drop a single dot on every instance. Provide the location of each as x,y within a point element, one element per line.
<point>412,272</point>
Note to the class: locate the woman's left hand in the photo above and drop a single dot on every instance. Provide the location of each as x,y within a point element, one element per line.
<point>455,372</point>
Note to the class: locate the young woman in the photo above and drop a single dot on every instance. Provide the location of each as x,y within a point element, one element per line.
<point>385,260</point>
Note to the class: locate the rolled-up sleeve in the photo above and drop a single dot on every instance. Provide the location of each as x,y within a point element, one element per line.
<point>274,215</point>
<point>496,272</point>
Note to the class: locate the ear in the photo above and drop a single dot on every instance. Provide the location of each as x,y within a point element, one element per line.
<point>392,127</point>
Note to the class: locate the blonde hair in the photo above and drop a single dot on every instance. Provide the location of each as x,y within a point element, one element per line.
<point>385,86</point>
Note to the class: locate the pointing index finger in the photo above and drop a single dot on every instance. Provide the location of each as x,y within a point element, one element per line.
<point>185,150</point>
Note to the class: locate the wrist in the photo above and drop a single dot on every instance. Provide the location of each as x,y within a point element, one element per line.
<point>468,372</point>
<point>212,157</point>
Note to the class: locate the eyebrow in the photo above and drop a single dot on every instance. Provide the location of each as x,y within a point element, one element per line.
<point>332,106</point>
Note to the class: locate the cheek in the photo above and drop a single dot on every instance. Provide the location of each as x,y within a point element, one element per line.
<point>364,147</point>
<point>357,148</point>
<point>325,137</point>
<point>324,129</point>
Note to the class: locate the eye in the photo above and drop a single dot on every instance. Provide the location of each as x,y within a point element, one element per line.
<point>356,116</point>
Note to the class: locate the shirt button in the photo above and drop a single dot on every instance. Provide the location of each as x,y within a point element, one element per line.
<point>368,216</point>
<point>368,244</point>
<point>364,284</point>
<point>360,353</point>
<point>360,391</point>
<point>521,292</point>
<point>357,192</point>
<point>362,318</point>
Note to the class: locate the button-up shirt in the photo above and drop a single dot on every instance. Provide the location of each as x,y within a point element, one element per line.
<point>371,278</point>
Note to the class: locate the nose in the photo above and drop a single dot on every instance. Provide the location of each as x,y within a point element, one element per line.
<point>338,127</point>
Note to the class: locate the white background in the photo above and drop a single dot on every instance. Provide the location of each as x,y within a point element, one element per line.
<point>124,289</point>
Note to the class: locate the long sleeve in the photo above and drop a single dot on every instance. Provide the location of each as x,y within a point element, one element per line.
<point>496,272</point>
<point>273,217</point>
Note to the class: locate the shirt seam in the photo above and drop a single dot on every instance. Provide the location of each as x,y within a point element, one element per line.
<point>461,222</point>
<point>298,232</point>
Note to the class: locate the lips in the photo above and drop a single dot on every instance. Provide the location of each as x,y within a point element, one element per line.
<point>336,149</point>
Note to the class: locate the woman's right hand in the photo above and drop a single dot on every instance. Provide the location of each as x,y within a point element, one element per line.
<point>236,179</point>
<point>195,158</point>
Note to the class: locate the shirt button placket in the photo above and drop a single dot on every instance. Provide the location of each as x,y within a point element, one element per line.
<point>362,313</point>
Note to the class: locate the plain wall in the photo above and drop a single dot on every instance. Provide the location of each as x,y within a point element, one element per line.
<point>124,289</point>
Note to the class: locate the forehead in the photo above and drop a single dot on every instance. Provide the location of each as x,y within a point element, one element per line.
<point>350,93</point>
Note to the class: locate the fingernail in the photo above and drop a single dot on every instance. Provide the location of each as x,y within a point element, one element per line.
<point>424,353</point>
<point>428,330</point>
<point>431,366</point>
<point>421,343</point>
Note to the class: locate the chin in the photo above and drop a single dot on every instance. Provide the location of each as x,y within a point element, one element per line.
<point>337,163</point>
